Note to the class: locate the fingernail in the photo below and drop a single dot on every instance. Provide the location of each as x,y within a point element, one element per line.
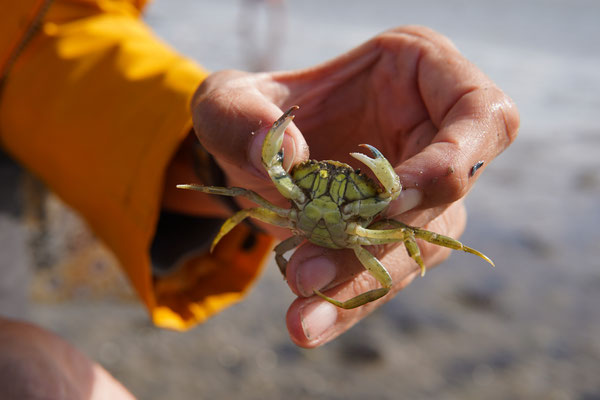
<point>317,317</point>
<point>255,152</point>
<point>290,156</point>
<point>408,199</point>
<point>315,273</point>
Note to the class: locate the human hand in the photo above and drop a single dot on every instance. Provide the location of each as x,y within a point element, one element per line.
<point>408,92</point>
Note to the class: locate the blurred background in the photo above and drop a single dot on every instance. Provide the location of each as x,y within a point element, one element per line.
<point>528,329</point>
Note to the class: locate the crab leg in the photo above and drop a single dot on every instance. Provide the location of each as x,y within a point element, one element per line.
<point>407,234</point>
<point>261,214</point>
<point>272,158</point>
<point>282,248</point>
<point>374,266</point>
<point>448,242</point>
<point>236,191</point>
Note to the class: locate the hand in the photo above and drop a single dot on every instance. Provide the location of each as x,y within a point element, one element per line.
<point>408,92</point>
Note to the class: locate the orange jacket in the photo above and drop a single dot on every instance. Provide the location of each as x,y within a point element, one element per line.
<point>95,105</point>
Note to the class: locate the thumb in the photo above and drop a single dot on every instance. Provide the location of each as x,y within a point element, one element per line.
<point>232,112</point>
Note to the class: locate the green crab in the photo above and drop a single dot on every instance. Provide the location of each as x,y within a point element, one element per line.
<point>334,206</point>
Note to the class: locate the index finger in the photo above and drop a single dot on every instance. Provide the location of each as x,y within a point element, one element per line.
<point>232,112</point>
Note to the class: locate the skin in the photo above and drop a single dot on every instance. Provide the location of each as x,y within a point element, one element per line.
<point>410,93</point>
<point>36,364</point>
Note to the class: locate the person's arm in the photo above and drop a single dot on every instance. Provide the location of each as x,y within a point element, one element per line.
<point>37,364</point>
<point>98,108</point>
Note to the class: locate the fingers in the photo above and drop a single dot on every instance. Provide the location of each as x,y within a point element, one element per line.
<point>232,112</point>
<point>435,115</point>
<point>475,130</point>
<point>470,121</point>
<point>312,321</point>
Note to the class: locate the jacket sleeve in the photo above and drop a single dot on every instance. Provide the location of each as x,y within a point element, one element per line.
<point>95,105</point>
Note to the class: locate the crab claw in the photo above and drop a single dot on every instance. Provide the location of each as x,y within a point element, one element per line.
<point>274,139</point>
<point>382,169</point>
<point>272,159</point>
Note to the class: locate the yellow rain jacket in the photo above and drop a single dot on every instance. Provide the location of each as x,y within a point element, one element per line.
<point>95,105</point>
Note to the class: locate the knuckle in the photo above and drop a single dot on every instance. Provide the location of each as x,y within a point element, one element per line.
<point>421,36</point>
<point>510,117</point>
<point>504,116</point>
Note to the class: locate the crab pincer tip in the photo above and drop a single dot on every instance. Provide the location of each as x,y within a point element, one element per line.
<point>376,153</point>
<point>288,113</point>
